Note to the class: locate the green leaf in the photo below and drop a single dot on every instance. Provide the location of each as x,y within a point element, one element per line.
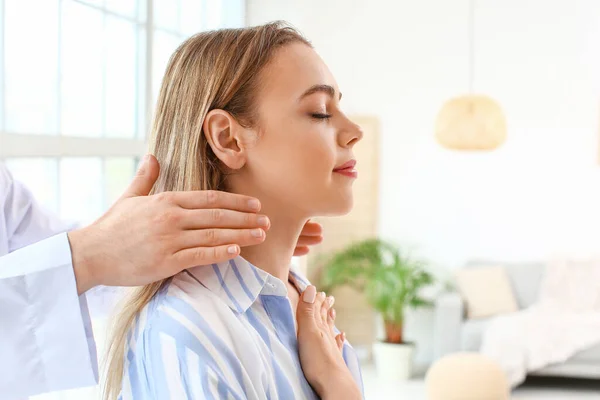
<point>390,279</point>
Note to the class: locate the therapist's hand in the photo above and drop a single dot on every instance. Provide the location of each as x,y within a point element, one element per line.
<point>142,239</point>
<point>311,234</point>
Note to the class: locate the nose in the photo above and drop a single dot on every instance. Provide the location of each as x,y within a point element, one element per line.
<point>350,134</point>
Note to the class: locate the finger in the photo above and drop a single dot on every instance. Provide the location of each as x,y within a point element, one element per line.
<point>340,341</point>
<point>144,179</point>
<point>301,251</point>
<point>223,218</point>
<point>327,303</point>
<point>321,312</point>
<point>312,229</point>
<point>331,319</point>
<point>202,199</point>
<point>305,311</point>
<point>325,309</point>
<point>192,257</point>
<point>309,240</point>
<point>218,237</point>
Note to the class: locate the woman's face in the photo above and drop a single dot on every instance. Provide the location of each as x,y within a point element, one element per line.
<point>302,158</point>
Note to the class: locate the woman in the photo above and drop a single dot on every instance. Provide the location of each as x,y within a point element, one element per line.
<point>251,111</point>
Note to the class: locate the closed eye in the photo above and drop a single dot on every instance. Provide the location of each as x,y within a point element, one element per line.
<point>320,116</point>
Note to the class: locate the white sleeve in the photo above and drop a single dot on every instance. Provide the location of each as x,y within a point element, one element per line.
<point>46,340</point>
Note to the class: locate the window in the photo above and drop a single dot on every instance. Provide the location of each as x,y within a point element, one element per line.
<point>78,82</point>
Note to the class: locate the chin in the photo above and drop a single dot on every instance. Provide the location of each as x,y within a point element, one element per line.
<point>339,207</point>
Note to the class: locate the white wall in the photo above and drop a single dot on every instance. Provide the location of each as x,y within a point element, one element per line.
<point>400,60</point>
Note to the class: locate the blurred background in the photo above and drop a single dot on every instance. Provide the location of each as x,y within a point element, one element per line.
<point>78,81</point>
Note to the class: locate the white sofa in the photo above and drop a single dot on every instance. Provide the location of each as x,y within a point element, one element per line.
<point>454,332</point>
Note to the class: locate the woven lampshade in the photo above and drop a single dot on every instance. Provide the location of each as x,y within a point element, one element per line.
<point>471,122</point>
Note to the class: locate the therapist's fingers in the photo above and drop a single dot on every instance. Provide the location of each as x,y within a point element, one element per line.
<point>144,179</point>
<point>301,251</point>
<point>309,240</point>
<point>221,218</point>
<point>206,255</point>
<point>312,229</point>
<point>212,199</point>
<point>312,234</point>
<point>218,237</point>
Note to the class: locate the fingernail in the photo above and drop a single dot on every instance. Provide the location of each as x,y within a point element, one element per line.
<point>322,295</point>
<point>333,313</point>
<point>343,336</point>
<point>330,301</point>
<point>232,249</point>
<point>256,232</point>
<point>254,204</point>
<point>309,294</point>
<point>263,221</point>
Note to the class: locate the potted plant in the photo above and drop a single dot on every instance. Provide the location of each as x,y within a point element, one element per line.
<point>391,281</point>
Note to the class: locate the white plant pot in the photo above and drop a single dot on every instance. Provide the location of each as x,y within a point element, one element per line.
<point>393,361</point>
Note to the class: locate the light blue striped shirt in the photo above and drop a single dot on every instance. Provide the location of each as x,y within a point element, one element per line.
<point>225,331</point>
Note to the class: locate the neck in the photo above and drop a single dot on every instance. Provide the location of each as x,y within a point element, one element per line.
<point>274,255</point>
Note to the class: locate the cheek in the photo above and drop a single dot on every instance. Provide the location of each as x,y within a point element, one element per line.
<point>315,156</point>
<point>303,154</point>
<point>284,164</point>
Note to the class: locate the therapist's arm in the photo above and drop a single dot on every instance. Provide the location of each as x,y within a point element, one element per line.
<point>46,341</point>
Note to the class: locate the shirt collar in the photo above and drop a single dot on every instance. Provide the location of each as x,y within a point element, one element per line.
<point>238,283</point>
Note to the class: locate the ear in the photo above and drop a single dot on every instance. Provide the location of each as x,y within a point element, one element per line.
<point>224,135</point>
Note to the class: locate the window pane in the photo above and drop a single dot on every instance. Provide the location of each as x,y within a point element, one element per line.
<point>164,46</point>
<point>97,3</point>
<point>233,14</point>
<point>142,10</point>
<point>118,172</point>
<point>81,189</point>
<point>127,8</point>
<point>40,175</point>
<point>214,14</point>
<point>120,100</point>
<point>191,16</point>
<point>81,70</point>
<point>166,14</point>
<point>31,62</point>
<point>142,120</point>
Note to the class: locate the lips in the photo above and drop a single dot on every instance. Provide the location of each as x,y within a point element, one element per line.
<point>347,169</point>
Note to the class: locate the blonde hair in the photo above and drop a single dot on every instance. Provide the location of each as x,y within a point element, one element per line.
<point>211,70</point>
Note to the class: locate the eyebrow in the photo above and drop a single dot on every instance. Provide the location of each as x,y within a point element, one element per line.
<point>327,89</point>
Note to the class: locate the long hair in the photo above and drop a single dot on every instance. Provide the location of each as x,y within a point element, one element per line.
<point>211,70</point>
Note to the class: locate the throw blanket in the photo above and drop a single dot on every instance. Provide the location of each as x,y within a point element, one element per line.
<point>564,321</point>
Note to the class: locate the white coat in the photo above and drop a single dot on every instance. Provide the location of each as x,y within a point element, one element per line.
<point>46,340</point>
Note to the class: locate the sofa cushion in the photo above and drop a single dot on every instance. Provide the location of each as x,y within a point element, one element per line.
<point>487,291</point>
<point>525,279</point>
<point>472,333</point>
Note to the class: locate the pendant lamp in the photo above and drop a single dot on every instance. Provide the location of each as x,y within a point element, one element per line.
<point>471,121</point>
